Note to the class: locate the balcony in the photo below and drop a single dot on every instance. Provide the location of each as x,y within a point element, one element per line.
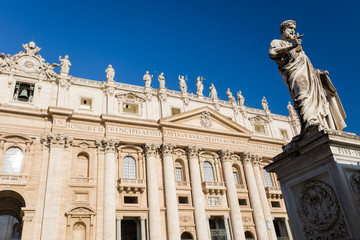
<point>273,192</point>
<point>131,185</point>
<point>183,185</point>
<point>82,182</point>
<point>13,179</point>
<point>214,187</point>
<point>241,187</point>
<point>218,233</point>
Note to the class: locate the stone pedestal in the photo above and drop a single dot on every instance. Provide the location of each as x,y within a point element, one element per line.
<point>320,180</point>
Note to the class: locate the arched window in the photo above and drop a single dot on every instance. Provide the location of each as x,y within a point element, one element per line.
<point>249,235</point>
<point>179,171</point>
<point>82,165</point>
<point>237,175</point>
<point>267,178</point>
<point>129,167</point>
<point>79,231</point>
<point>186,236</point>
<point>12,161</point>
<point>208,172</point>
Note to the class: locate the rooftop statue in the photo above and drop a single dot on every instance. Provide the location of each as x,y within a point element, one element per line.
<point>315,98</point>
<point>182,84</point>
<point>213,92</point>
<point>265,104</point>
<point>110,73</point>
<point>65,64</point>
<point>161,79</point>
<point>241,99</point>
<point>147,78</point>
<point>199,86</point>
<point>231,98</point>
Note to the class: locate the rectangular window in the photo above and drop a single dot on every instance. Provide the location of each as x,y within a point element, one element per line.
<point>130,200</point>
<point>275,204</point>
<point>259,128</point>
<point>86,103</point>
<point>130,108</point>
<point>175,111</point>
<point>24,92</point>
<point>178,174</point>
<point>267,178</point>
<point>236,179</point>
<point>242,202</point>
<point>183,200</point>
<point>284,134</point>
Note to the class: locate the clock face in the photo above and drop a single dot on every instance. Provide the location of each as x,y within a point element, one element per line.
<point>29,64</point>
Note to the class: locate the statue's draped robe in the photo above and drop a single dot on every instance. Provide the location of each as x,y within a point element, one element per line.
<point>313,94</point>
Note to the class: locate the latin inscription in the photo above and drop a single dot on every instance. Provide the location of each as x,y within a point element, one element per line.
<point>346,151</point>
<point>133,131</point>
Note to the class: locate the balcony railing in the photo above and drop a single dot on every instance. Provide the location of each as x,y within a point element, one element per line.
<point>282,238</point>
<point>131,185</point>
<point>214,187</point>
<point>273,192</point>
<point>241,187</point>
<point>13,179</point>
<point>182,185</point>
<point>218,233</point>
<point>82,182</point>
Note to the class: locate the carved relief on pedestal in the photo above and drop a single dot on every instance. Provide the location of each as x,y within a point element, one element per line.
<point>320,212</point>
<point>355,185</point>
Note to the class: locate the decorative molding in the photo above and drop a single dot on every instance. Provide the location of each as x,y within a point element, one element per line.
<point>151,149</point>
<point>56,140</point>
<point>320,212</point>
<point>225,155</point>
<point>109,145</point>
<point>205,119</point>
<point>246,157</point>
<point>192,151</point>
<point>167,149</point>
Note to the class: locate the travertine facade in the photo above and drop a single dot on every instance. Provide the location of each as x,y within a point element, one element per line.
<point>83,159</point>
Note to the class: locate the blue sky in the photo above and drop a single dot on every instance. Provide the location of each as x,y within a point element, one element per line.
<point>226,42</point>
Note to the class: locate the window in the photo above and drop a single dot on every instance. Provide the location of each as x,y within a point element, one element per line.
<point>236,179</point>
<point>130,200</point>
<point>12,161</point>
<point>183,200</point>
<point>129,167</point>
<point>267,178</point>
<point>208,172</point>
<point>178,174</point>
<point>275,204</point>
<point>259,128</point>
<point>242,202</point>
<point>86,103</point>
<point>284,134</point>
<point>24,92</point>
<point>130,108</point>
<point>82,165</point>
<point>175,111</point>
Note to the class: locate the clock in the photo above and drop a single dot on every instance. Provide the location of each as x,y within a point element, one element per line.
<point>28,64</point>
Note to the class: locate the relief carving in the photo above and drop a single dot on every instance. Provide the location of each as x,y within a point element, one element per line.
<point>320,212</point>
<point>355,185</point>
<point>205,119</point>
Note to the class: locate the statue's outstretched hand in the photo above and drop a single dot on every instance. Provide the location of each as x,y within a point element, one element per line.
<point>297,42</point>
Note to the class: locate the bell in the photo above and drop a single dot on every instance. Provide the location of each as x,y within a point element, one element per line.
<point>23,96</point>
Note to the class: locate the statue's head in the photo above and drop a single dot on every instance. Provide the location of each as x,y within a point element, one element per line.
<point>286,24</point>
<point>109,66</point>
<point>66,56</point>
<point>147,72</point>
<point>32,44</point>
<point>162,74</point>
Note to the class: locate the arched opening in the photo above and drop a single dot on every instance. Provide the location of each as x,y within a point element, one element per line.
<point>179,171</point>
<point>10,215</point>
<point>208,172</point>
<point>186,236</point>
<point>79,231</point>
<point>82,165</point>
<point>129,167</point>
<point>12,161</point>
<point>249,235</point>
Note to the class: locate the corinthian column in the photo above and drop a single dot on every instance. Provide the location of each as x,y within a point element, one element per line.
<point>260,225</point>
<point>263,198</point>
<point>109,190</point>
<point>235,213</point>
<point>153,192</point>
<point>56,143</point>
<point>172,214</point>
<point>197,194</point>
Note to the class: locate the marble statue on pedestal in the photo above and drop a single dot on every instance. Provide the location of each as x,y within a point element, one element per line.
<point>182,84</point>
<point>199,86</point>
<point>65,64</point>
<point>231,98</point>
<point>315,98</point>
<point>265,104</point>
<point>110,73</point>
<point>161,79</point>
<point>241,99</point>
<point>147,78</point>
<point>213,92</point>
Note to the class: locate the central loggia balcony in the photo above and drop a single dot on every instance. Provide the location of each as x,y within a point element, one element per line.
<point>131,185</point>
<point>273,192</point>
<point>82,182</point>
<point>214,187</point>
<point>13,179</point>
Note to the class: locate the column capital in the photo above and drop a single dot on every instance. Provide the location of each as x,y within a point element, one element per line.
<point>109,145</point>
<point>143,217</point>
<point>193,151</point>
<point>225,155</point>
<point>167,149</point>
<point>151,149</point>
<point>256,159</point>
<point>246,157</point>
<point>56,140</point>
<point>119,217</point>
